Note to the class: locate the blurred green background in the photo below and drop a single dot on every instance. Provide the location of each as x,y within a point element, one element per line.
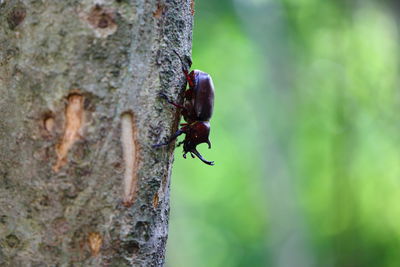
<point>305,137</point>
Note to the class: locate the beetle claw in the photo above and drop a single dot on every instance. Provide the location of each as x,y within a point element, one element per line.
<point>158,145</point>
<point>189,61</point>
<point>163,96</point>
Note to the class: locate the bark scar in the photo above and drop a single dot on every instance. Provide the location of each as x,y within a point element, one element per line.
<point>155,200</point>
<point>159,11</point>
<point>16,17</point>
<point>74,116</point>
<point>101,20</point>
<point>95,241</point>
<point>48,124</point>
<point>130,148</point>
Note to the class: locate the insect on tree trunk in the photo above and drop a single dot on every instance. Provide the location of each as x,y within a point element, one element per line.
<point>80,184</point>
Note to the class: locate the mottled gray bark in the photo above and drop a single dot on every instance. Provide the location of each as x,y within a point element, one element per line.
<point>80,184</point>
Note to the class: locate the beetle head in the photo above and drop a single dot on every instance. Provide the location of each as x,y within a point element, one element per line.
<point>197,133</point>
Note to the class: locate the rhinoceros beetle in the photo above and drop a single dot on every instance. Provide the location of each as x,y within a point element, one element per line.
<point>196,110</point>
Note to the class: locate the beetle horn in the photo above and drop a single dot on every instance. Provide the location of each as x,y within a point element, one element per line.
<point>194,151</point>
<point>209,144</point>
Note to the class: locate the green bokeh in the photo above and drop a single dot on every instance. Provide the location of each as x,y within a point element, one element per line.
<point>305,138</point>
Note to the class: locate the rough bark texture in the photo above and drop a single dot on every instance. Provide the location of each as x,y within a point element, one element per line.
<point>80,184</point>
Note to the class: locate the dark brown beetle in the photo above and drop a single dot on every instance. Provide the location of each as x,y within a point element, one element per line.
<point>197,110</point>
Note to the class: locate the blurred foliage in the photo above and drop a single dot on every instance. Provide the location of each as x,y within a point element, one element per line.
<point>305,137</point>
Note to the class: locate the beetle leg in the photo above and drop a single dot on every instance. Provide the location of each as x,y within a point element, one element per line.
<point>164,96</point>
<point>172,138</point>
<point>190,61</point>
<point>180,143</point>
<point>189,78</point>
<point>194,151</point>
<point>191,154</point>
<point>185,70</point>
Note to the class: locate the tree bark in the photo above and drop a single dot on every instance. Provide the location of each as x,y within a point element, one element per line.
<point>80,184</point>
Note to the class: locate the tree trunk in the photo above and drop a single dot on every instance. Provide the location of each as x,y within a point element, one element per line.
<point>80,184</point>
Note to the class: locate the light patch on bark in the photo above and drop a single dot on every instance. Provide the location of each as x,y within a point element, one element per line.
<point>74,116</point>
<point>131,157</point>
<point>159,11</point>
<point>95,241</point>
<point>49,124</point>
<point>155,200</point>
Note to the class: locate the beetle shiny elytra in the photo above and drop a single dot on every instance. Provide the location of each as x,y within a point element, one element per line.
<point>196,110</point>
